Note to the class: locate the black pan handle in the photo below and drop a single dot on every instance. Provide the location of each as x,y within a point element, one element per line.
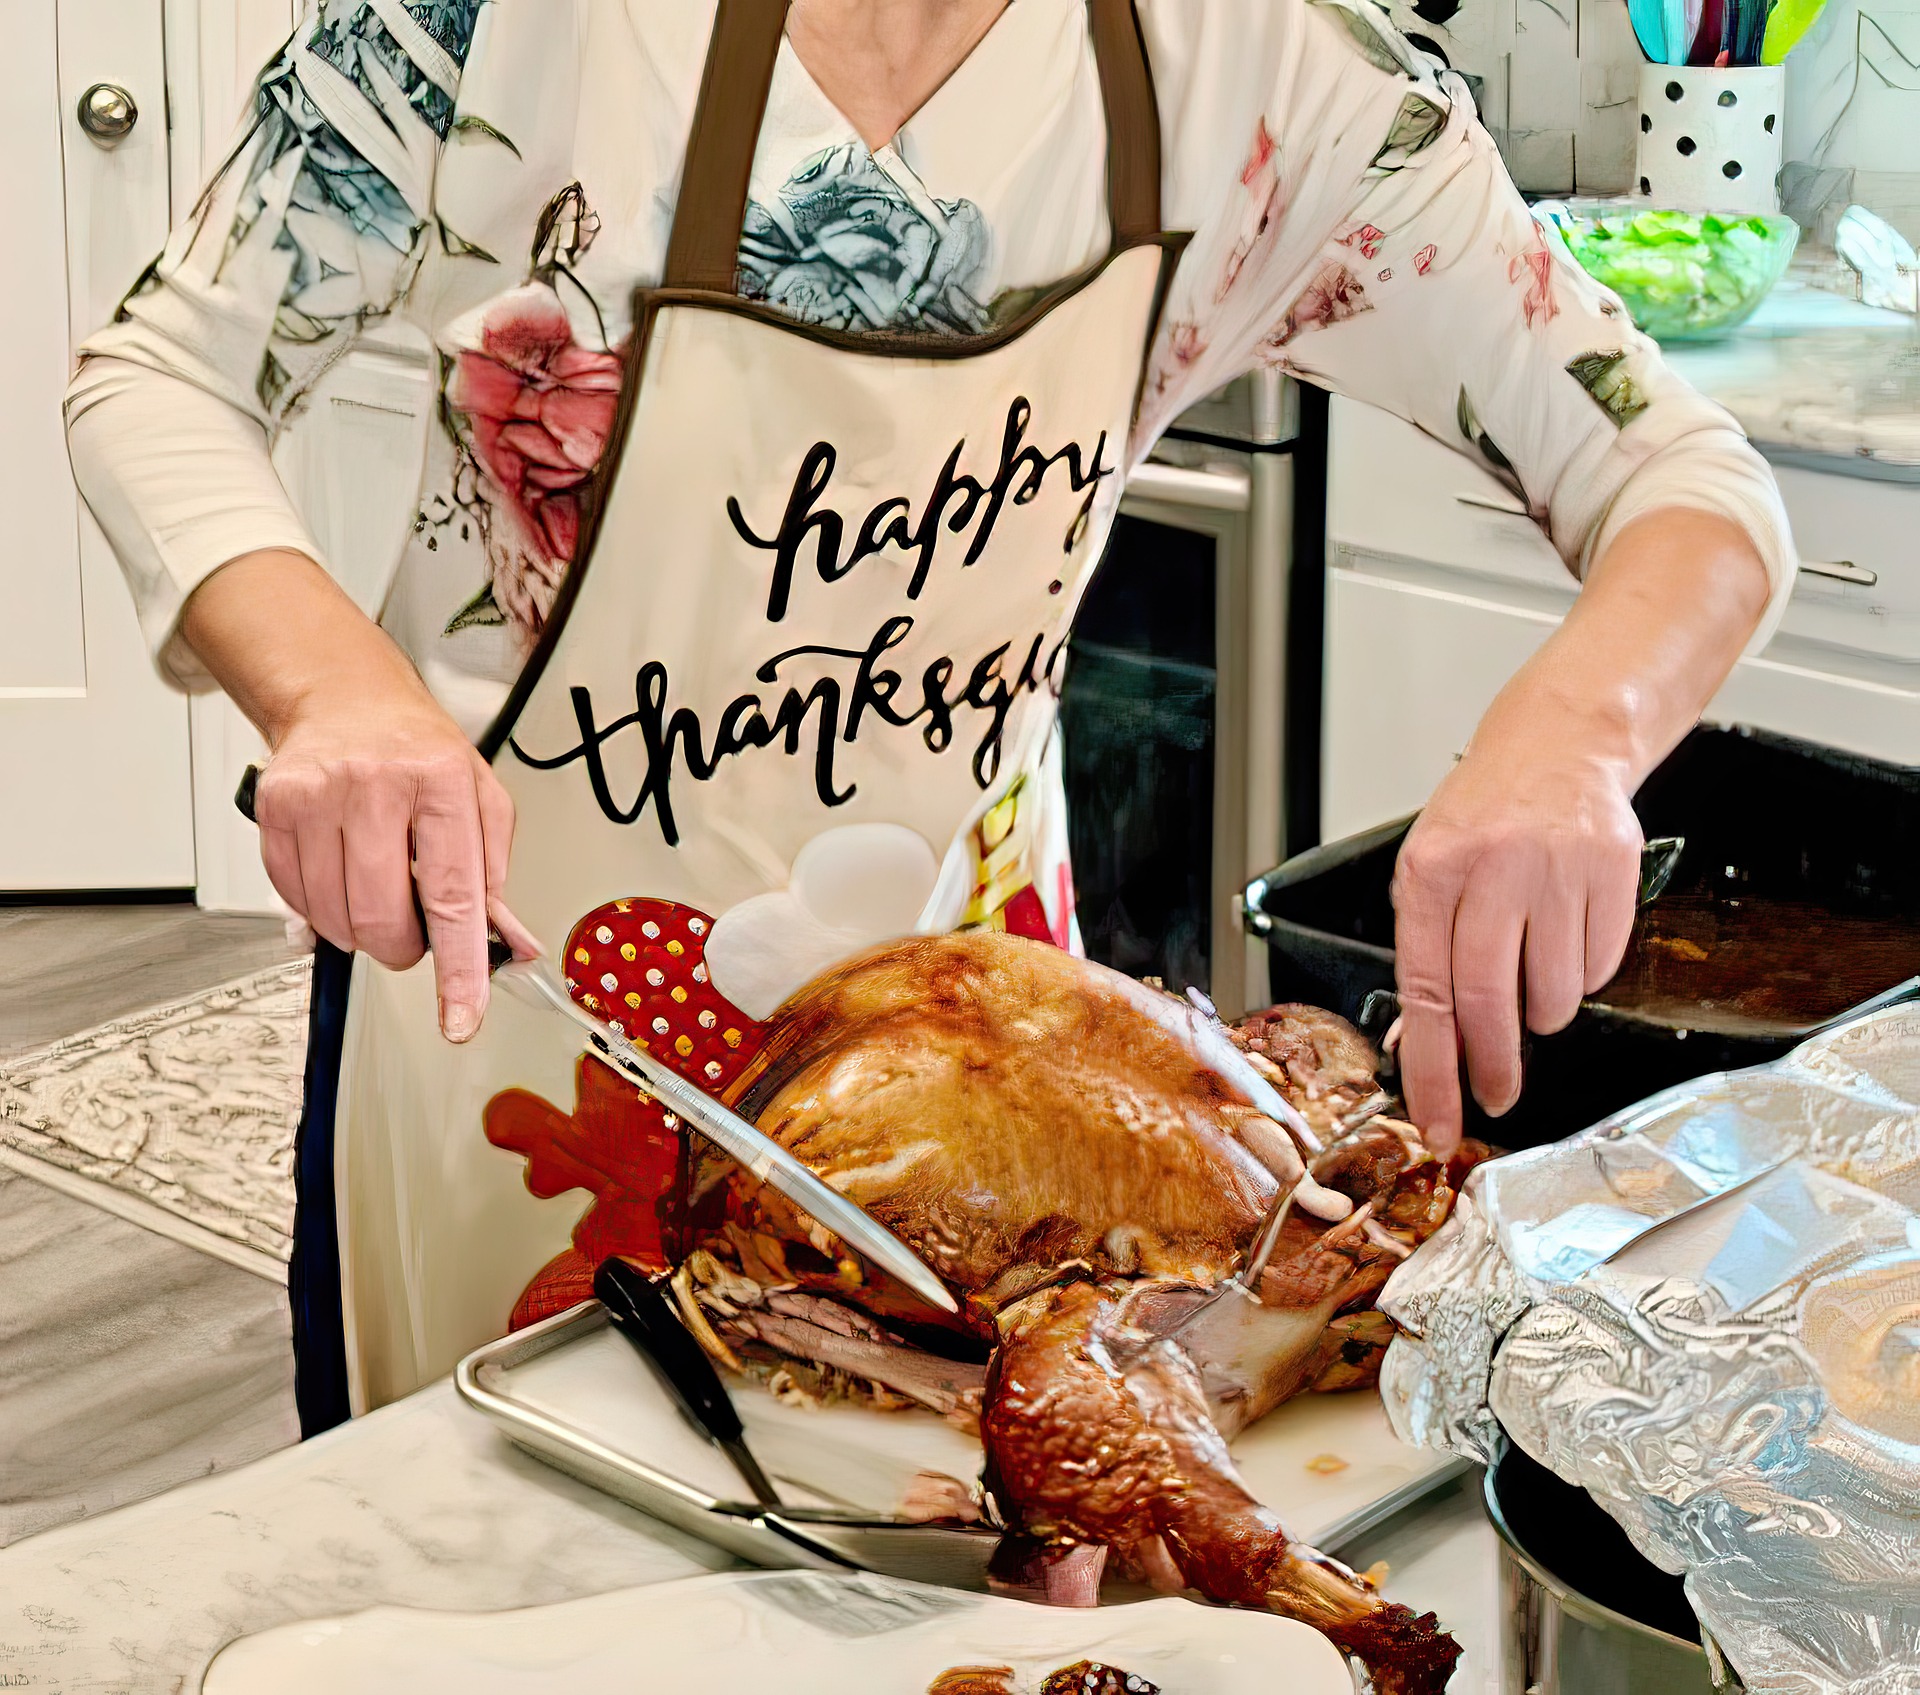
<point>640,1312</point>
<point>243,796</point>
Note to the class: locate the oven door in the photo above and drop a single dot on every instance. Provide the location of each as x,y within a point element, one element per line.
<point>1172,711</point>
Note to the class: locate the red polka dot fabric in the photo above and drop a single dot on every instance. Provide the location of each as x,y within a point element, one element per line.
<point>640,966</point>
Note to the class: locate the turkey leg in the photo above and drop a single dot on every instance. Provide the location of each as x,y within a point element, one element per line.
<point>1099,1435</point>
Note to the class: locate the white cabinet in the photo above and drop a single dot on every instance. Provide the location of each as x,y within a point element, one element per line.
<point>93,748</point>
<point>1436,597</point>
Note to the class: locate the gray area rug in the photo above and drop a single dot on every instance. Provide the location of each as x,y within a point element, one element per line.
<point>180,1118</point>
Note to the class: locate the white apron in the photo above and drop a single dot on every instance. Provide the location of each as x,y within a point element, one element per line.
<point>797,696</point>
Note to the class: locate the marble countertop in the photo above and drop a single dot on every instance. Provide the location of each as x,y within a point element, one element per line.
<point>424,1504</point>
<point>1820,380</point>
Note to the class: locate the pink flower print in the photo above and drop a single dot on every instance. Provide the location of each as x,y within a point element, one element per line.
<point>1260,157</point>
<point>1260,217</point>
<point>1535,268</point>
<point>1334,296</point>
<point>1184,345</point>
<point>1366,238</point>
<point>536,409</point>
<point>1423,260</point>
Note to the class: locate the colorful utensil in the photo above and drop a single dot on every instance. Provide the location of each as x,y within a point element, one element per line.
<point>1677,31</point>
<point>1650,27</point>
<point>1789,22</point>
<point>1682,47</point>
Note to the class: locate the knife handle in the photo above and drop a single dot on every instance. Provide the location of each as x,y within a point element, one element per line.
<point>499,949</point>
<point>641,1313</point>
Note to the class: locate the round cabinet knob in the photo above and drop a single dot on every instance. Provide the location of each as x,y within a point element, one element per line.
<point>107,112</point>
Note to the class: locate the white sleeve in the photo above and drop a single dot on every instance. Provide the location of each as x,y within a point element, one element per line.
<point>181,482</point>
<point>311,229</point>
<point>1355,226</point>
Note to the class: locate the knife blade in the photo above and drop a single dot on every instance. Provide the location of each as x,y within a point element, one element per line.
<point>535,982</point>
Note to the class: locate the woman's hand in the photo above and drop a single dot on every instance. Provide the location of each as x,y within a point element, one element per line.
<point>372,797</point>
<point>1515,892</point>
<point>1514,898</point>
<point>368,800</point>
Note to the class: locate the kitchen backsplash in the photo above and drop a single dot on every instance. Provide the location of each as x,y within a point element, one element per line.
<point>1556,82</point>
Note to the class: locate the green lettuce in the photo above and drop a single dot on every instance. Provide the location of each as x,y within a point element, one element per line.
<point>1683,275</point>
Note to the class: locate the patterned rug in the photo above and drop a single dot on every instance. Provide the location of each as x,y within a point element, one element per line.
<point>180,1117</point>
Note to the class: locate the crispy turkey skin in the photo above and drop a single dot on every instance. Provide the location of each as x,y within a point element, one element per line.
<point>1081,1157</point>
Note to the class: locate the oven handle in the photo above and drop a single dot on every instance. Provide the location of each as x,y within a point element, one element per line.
<point>1223,489</point>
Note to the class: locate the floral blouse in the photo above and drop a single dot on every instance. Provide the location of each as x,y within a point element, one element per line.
<point>495,177</point>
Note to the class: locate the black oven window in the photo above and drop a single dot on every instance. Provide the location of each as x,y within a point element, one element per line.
<point>1137,715</point>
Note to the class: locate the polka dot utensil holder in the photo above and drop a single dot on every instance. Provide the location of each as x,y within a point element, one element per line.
<point>1710,137</point>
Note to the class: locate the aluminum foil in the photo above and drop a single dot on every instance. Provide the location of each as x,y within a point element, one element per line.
<point>1706,1312</point>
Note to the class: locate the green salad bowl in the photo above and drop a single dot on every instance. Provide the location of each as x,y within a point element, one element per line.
<point>1684,276</point>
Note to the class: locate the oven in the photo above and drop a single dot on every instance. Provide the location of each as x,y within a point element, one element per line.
<point>1188,767</point>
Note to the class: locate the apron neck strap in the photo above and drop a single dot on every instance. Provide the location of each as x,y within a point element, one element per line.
<point>703,248</point>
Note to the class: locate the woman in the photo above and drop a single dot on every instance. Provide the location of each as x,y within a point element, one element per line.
<point>804,690</point>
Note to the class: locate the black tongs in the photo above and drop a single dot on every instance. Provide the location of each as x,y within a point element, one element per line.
<point>641,1310</point>
<point>641,1313</point>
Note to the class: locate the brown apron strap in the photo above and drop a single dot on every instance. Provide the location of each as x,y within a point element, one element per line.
<point>1133,121</point>
<point>703,248</point>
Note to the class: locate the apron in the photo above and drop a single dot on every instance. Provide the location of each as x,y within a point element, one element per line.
<point>798,695</point>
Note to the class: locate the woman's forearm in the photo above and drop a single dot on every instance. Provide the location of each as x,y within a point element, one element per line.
<point>1515,892</point>
<point>284,640</point>
<point>1665,613</point>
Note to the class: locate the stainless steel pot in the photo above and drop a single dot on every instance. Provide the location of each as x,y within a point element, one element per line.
<point>1556,1641</point>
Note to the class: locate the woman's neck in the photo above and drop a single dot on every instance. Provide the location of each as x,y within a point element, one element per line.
<point>880,61</point>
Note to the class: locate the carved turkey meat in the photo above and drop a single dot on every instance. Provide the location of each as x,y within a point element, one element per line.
<point>1081,1158</point>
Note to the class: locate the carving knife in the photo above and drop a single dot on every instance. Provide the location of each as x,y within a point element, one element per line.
<point>535,982</point>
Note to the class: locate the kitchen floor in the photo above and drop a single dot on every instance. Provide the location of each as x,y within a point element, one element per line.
<point>67,968</point>
<point>129,1361</point>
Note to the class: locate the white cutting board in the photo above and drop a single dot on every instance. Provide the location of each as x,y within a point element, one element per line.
<point>798,1633</point>
<point>1318,1460</point>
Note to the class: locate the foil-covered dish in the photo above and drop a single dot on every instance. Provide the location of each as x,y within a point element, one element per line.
<point>1706,1312</point>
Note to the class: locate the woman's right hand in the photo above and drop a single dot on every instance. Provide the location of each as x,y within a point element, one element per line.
<point>372,795</point>
<point>367,801</point>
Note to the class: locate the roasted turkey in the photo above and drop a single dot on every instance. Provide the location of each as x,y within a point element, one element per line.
<point>1081,1157</point>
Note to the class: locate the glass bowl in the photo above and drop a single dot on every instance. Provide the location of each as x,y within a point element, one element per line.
<point>1684,276</point>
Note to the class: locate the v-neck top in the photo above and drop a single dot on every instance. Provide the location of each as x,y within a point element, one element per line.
<point>496,177</point>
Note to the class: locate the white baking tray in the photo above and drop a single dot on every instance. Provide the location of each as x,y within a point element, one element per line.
<point>572,1390</point>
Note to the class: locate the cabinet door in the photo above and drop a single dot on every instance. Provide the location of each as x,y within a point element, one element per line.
<point>93,747</point>
<point>1410,669</point>
<point>1412,666</point>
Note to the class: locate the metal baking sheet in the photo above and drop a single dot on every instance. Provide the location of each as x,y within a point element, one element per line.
<point>572,1391</point>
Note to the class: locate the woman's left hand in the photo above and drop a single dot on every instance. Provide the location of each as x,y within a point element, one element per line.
<point>1516,890</point>
<point>1514,898</point>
